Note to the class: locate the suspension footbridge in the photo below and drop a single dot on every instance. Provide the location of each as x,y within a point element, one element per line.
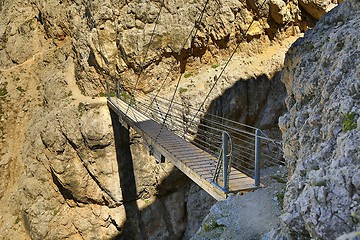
<point>220,155</point>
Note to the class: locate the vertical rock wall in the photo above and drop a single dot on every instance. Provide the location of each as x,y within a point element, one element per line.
<point>321,129</point>
<point>60,175</point>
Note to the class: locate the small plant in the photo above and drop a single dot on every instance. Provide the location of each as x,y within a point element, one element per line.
<point>355,217</point>
<point>309,46</point>
<point>280,198</point>
<point>126,97</point>
<point>349,122</point>
<point>215,65</point>
<point>210,226</point>
<point>17,220</point>
<point>55,212</point>
<point>103,94</point>
<point>187,75</point>
<point>3,90</point>
<point>182,90</point>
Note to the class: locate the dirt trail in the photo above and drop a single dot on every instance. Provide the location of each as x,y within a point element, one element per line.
<point>73,87</point>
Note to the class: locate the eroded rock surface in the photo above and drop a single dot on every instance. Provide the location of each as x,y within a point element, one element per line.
<point>110,38</point>
<point>62,173</point>
<point>247,216</point>
<point>321,131</point>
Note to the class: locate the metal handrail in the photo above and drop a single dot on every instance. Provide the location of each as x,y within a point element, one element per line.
<point>206,130</point>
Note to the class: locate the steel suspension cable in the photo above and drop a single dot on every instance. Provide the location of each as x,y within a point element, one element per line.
<point>217,121</point>
<point>145,55</point>
<point>196,25</point>
<point>228,61</point>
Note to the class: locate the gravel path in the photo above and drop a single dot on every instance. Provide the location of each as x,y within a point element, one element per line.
<point>247,216</point>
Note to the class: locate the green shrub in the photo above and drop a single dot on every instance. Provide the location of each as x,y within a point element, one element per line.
<point>17,220</point>
<point>210,226</point>
<point>215,65</point>
<point>349,122</point>
<point>182,90</point>
<point>187,75</point>
<point>103,94</point>
<point>55,212</point>
<point>280,198</point>
<point>125,96</point>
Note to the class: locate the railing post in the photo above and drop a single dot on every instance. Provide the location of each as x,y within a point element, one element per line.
<point>107,90</point>
<point>118,88</point>
<point>225,160</point>
<point>257,160</point>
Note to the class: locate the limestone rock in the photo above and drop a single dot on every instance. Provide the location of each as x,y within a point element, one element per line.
<point>319,131</point>
<point>62,174</point>
<point>198,205</point>
<point>317,8</point>
<point>247,216</point>
<point>350,236</point>
<point>283,12</point>
<point>111,38</point>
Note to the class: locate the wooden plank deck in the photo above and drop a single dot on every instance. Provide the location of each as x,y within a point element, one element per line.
<point>194,162</point>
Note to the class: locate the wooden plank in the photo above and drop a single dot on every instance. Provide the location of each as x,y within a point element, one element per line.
<point>237,178</point>
<point>183,147</point>
<point>190,151</point>
<point>182,155</point>
<point>205,173</point>
<point>201,167</point>
<point>197,158</point>
<point>200,163</point>
<point>174,143</point>
<point>196,167</point>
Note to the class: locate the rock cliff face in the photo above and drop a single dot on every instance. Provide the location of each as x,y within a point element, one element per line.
<point>110,38</point>
<point>65,172</point>
<point>321,129</point>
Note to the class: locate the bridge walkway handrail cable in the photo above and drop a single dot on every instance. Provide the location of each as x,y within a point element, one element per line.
<point>227,147</point>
